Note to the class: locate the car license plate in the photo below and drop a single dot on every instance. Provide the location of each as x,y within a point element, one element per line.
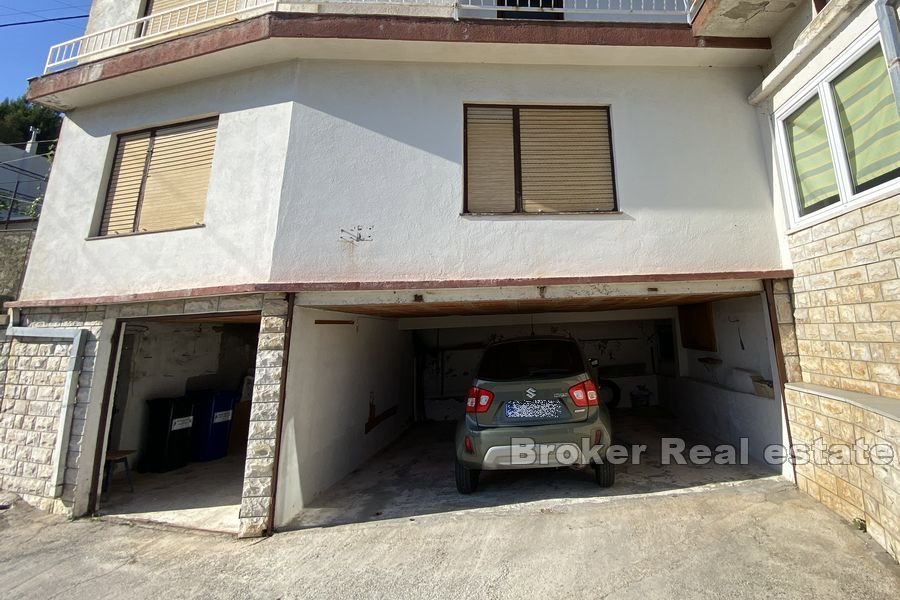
<point>533,409</point>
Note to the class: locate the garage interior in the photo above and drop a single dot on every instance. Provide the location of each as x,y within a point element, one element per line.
<point>696,367</point>
<point>179,418</point>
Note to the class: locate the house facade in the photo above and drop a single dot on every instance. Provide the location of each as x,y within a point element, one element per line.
<point>349,183</point>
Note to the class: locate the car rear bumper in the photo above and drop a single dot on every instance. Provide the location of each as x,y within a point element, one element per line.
<point>501,458</point>
<point>502,448</point>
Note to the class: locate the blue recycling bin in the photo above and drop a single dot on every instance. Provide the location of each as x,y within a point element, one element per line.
<point>212,423</point>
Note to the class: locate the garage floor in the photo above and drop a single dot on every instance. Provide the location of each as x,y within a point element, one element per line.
<point>414,476</point>
<point>200,496</point>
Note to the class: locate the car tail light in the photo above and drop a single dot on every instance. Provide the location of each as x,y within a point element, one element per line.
<point>478,400</point>
<point>584,394</point>
<point>469,447</point>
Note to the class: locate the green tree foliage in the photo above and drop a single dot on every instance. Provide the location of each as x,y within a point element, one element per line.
<point>18,116</point>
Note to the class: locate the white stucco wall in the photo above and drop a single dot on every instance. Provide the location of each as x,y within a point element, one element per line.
<point>310,148</point>
<point>334,372</point>
<point>717,404</point>
<point>109,13</point>
<point>235,246</point>
<point>735,321</point>
<point>382,145</point>
<point>784,38</point>
<point>726,415</point>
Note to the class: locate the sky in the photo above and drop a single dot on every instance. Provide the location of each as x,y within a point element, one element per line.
<point>23,49</point>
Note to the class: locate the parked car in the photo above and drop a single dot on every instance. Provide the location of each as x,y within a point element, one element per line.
<point>533,404</point>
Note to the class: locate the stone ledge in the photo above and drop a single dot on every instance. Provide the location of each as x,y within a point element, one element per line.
<point>816,34</point>
<point>876,404</point>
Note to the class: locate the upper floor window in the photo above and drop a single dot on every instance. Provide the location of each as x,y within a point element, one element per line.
<point>170,17</point>
<point>538,159</point>
<point>158,6</point>
<point>159,179</point>
<point>813,169</point>
<point>870,123</point>
<point>843,142</point>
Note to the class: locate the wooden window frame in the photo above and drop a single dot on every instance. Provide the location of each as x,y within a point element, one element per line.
<point>517,158</point>
<point>152,131</point>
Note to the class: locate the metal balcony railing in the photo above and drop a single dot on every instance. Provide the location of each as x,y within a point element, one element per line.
<point>210,13</point>
<point>583,10</point>
<point>151,28</point>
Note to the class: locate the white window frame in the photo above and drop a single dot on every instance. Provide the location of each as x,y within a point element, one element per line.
<point>821,86</point>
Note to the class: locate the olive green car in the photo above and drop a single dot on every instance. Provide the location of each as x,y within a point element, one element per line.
<point>532,405</point>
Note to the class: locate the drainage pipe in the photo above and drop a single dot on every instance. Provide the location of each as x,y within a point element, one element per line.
<point>76,339</point>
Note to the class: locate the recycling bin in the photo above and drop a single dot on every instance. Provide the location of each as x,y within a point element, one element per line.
<point>213,412</point>
<point>169,440</point>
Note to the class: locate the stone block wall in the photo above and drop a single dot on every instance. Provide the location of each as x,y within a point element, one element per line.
<point>33,374</point>
<point>787,332</point>
<point>855,489</point>
<point>260,468</point>
<point>839,323</point>
<point>846,300</point>
<point>15,245</point>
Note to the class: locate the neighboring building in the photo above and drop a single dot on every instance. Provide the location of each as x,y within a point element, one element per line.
<point>23,179</point>
<point>367,193</point>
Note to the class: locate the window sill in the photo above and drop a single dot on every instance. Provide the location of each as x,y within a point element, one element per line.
<point>547,214</point>
<point>863,199</point>
<point>138,233</point>
<point>885,407</point>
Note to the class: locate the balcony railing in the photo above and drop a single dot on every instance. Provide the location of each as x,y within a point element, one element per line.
<point>589,10</point>
<point>151,28</point>
<point>210,13</point>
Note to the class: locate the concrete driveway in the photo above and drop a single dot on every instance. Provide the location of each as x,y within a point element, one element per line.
<point>758,538</point>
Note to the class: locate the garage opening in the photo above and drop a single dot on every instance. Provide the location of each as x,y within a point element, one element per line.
<point>178,421</point>
<point>373,403</point>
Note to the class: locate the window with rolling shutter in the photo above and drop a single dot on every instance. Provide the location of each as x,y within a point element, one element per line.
<point>170,18</point>
<point>160,178</point>
<point>538,160</point>
<point>490,161</point>
<point>125,183</point>
<point>158,6</point>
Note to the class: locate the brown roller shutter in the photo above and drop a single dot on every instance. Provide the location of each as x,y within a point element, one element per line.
<point>566,160</point>
<point>490,160</point>
<point>125,183</point>
<point>158,6</point>
<point>167,22</point>
<point>177,177</point>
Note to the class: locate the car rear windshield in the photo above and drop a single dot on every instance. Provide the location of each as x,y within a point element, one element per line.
<point>531,359</point>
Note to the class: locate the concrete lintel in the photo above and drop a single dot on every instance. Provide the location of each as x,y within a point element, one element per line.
<point>518,293</point>
<point>452,322</point>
